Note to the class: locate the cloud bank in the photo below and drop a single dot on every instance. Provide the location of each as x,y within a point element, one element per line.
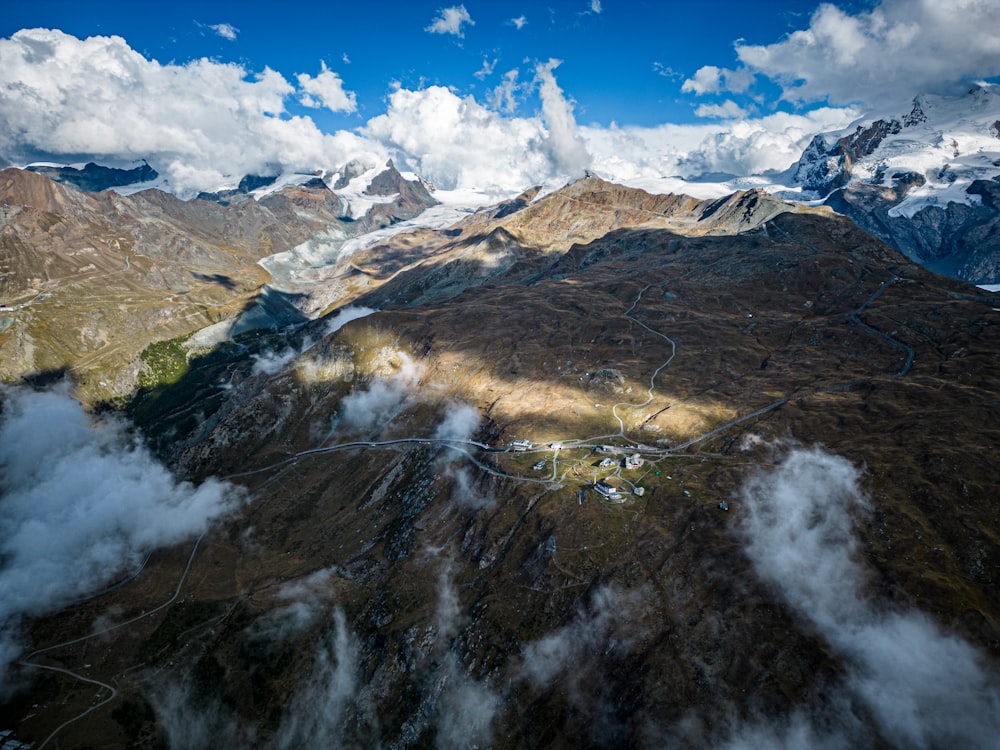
<point>80,504</point>
<point>201,123</point>
<point>919,686</point>
<point>205,124</point>
<point>897,50</point>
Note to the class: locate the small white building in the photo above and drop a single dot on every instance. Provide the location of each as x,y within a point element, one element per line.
<point>521,445</point>
<point>634,461</point>
<point>607,463</point>
<point>609,491</point>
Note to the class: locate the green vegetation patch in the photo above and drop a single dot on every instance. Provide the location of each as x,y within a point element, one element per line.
<point>164,363</point>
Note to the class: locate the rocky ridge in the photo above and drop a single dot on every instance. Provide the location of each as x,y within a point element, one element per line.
<point>924,181</point>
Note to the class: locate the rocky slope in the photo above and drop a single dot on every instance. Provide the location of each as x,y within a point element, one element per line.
<point>397,580</point>
<point>90,280</point>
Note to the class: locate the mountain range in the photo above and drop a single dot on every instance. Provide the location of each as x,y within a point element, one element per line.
<point>586,467</point>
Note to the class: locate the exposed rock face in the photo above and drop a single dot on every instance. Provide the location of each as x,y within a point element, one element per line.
<point>93,177</point>
<point>427,593</point>
<point>956,239</point>
<point>823,168</point>
<point>918,182</point>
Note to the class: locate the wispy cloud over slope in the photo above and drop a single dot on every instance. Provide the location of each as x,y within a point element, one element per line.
<point>921,687</point>
<point>79,505</point>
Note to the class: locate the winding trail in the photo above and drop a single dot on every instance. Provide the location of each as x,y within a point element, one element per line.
<point>906,348</point>
<point>27,661</point>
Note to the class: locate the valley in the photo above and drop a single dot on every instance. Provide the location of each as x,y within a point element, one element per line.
<point>394,575</point>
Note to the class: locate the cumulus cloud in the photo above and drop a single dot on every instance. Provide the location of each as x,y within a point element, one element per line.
<point>519,22</point>
<point>326,90</point>
<point>225,30</point>
<point>457,143</point>
<point>566,147</point>
<point>450,21</point>
<point>201,124</point>
<point>80,504</point>
<point>595,6</point>
<point>707,80</point>
<point>897,50</point>
<point>206,124</point>
<point>710,79</point>
<point>728,110</point>
<point>921,686</point>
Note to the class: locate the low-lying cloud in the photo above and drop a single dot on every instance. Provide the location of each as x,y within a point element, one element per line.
<point>383,399</point>
<point>317,713</point>
<point>273,362</point>
<point>918,685</point>
<point>80,504</point>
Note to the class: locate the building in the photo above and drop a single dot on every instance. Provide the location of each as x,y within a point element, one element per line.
<point>634,461</point>
<point>521,445</point>
<point>609,492</point>
<point>607,463</point>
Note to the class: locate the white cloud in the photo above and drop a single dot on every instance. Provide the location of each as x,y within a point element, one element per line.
<point>225,30</point>
<point>921,686</point>
<point>317,713</point>
<point>457,143</point>
<point>897,50</point>
<point>707,80</point>
<point>728,110</point>
<point>326,90</point>
<point>503,98</point>
<point>450,21</point>
<point>595,6</point>
<point>662,70</point>
<point>486,70</point>
<point>519,22</point>
<point>206,124</point>
<point>710,79</point>
<point>566,147</point>
<point>81,504</point>
<point>384,398</point>
<point>738,147</point>
<point>201,124</point>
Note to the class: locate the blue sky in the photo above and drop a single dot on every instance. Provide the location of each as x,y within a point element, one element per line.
<point>484,95</point>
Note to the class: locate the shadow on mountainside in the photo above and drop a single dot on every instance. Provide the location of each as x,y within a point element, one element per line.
<point>450,569</point>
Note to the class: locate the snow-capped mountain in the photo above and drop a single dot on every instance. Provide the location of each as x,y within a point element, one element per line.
<point>927,181</point>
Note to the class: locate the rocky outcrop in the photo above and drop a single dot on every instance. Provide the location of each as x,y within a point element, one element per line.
<point>823,168</point>
<point>93,177</point>
<point>955,239</point>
